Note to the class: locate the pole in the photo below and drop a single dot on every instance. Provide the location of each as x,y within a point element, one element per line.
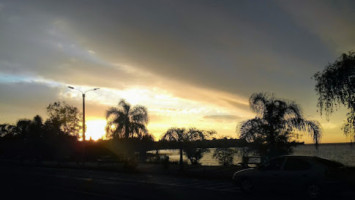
<point>83,94</point>
<point>84,138</point>
<point>84,117</point>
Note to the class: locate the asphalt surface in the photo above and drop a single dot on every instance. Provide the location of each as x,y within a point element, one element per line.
<point>29,182</point>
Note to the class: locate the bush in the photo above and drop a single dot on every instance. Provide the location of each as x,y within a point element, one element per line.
<point>224,156</point>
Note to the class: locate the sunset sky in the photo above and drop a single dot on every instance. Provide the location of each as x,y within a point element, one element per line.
<point>192,63</point>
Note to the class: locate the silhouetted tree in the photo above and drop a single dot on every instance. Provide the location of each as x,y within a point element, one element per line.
<point>184,137</point>
<point>36,127</point>
<point>65,116</point>
<point>194,154</point>
<point>28,135</point>
<point>26,128</point>
<point>7,130</point>
<point>53,127</point>
<point>146,143</point>
<point>335,86</point>
<point>176,135</point>
<point>126,121</point>
<point>273,128</point>
<point>224,156</point>
<point>23,127</point>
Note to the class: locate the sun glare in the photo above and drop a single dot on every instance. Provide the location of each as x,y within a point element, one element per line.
<point>95,129</point>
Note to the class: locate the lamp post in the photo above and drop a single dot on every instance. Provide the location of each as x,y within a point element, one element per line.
<point>83,95</point>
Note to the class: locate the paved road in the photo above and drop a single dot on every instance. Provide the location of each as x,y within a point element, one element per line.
<point>18,182</point>
<point>57,183</point>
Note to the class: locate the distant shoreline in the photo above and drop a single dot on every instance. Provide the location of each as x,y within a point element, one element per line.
<point>339,143</point>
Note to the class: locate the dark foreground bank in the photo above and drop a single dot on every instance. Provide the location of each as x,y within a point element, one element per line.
<point>146,182</point>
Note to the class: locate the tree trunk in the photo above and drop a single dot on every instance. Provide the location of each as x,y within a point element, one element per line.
<point>181,160</point>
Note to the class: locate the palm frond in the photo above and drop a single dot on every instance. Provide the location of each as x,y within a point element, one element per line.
<point>293,110</point>
<point>139,114</point>
<point>112,111</point>
<point>129,122</point>
<point>258,101</point>
<point>313,128</point>
<point>138,129</point>
<point>126,106</point>
<point>251,129</point>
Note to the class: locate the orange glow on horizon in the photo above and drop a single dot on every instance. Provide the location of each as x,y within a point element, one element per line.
<point>96,129</point>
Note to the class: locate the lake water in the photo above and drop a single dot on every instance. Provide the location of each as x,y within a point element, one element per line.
<point>344,153</point>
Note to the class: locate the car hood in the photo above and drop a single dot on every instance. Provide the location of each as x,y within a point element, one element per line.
<point>244,172</point>
<point>248,170</point>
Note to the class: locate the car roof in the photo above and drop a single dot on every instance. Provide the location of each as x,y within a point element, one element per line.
<point>295,156</point>
<point>314,158</point>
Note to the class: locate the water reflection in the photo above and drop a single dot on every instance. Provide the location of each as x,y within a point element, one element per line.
<point>343,153</point>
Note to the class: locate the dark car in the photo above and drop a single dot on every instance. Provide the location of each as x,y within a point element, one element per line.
<point>312,175</point>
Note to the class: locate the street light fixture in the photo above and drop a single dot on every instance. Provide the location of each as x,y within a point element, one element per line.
<point>83,95</point>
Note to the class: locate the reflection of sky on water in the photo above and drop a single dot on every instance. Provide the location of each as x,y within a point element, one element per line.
<point>343,153</point>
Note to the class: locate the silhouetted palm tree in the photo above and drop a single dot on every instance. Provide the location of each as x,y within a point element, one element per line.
<point>126,121</point>
<point>273,127</point>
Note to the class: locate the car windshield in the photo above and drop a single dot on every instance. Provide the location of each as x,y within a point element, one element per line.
<point>294,164</point>
<point>274,164</point>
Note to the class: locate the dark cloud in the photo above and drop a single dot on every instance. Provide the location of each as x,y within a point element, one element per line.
<point>25,99</point>
<point>237,47</point>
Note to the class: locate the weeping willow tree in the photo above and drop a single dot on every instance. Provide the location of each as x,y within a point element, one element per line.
<point>184,138</point>
<point>273,130</point>
<point>335,87</point>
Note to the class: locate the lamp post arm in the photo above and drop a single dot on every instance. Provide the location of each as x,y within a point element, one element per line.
<point>90,90</point>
